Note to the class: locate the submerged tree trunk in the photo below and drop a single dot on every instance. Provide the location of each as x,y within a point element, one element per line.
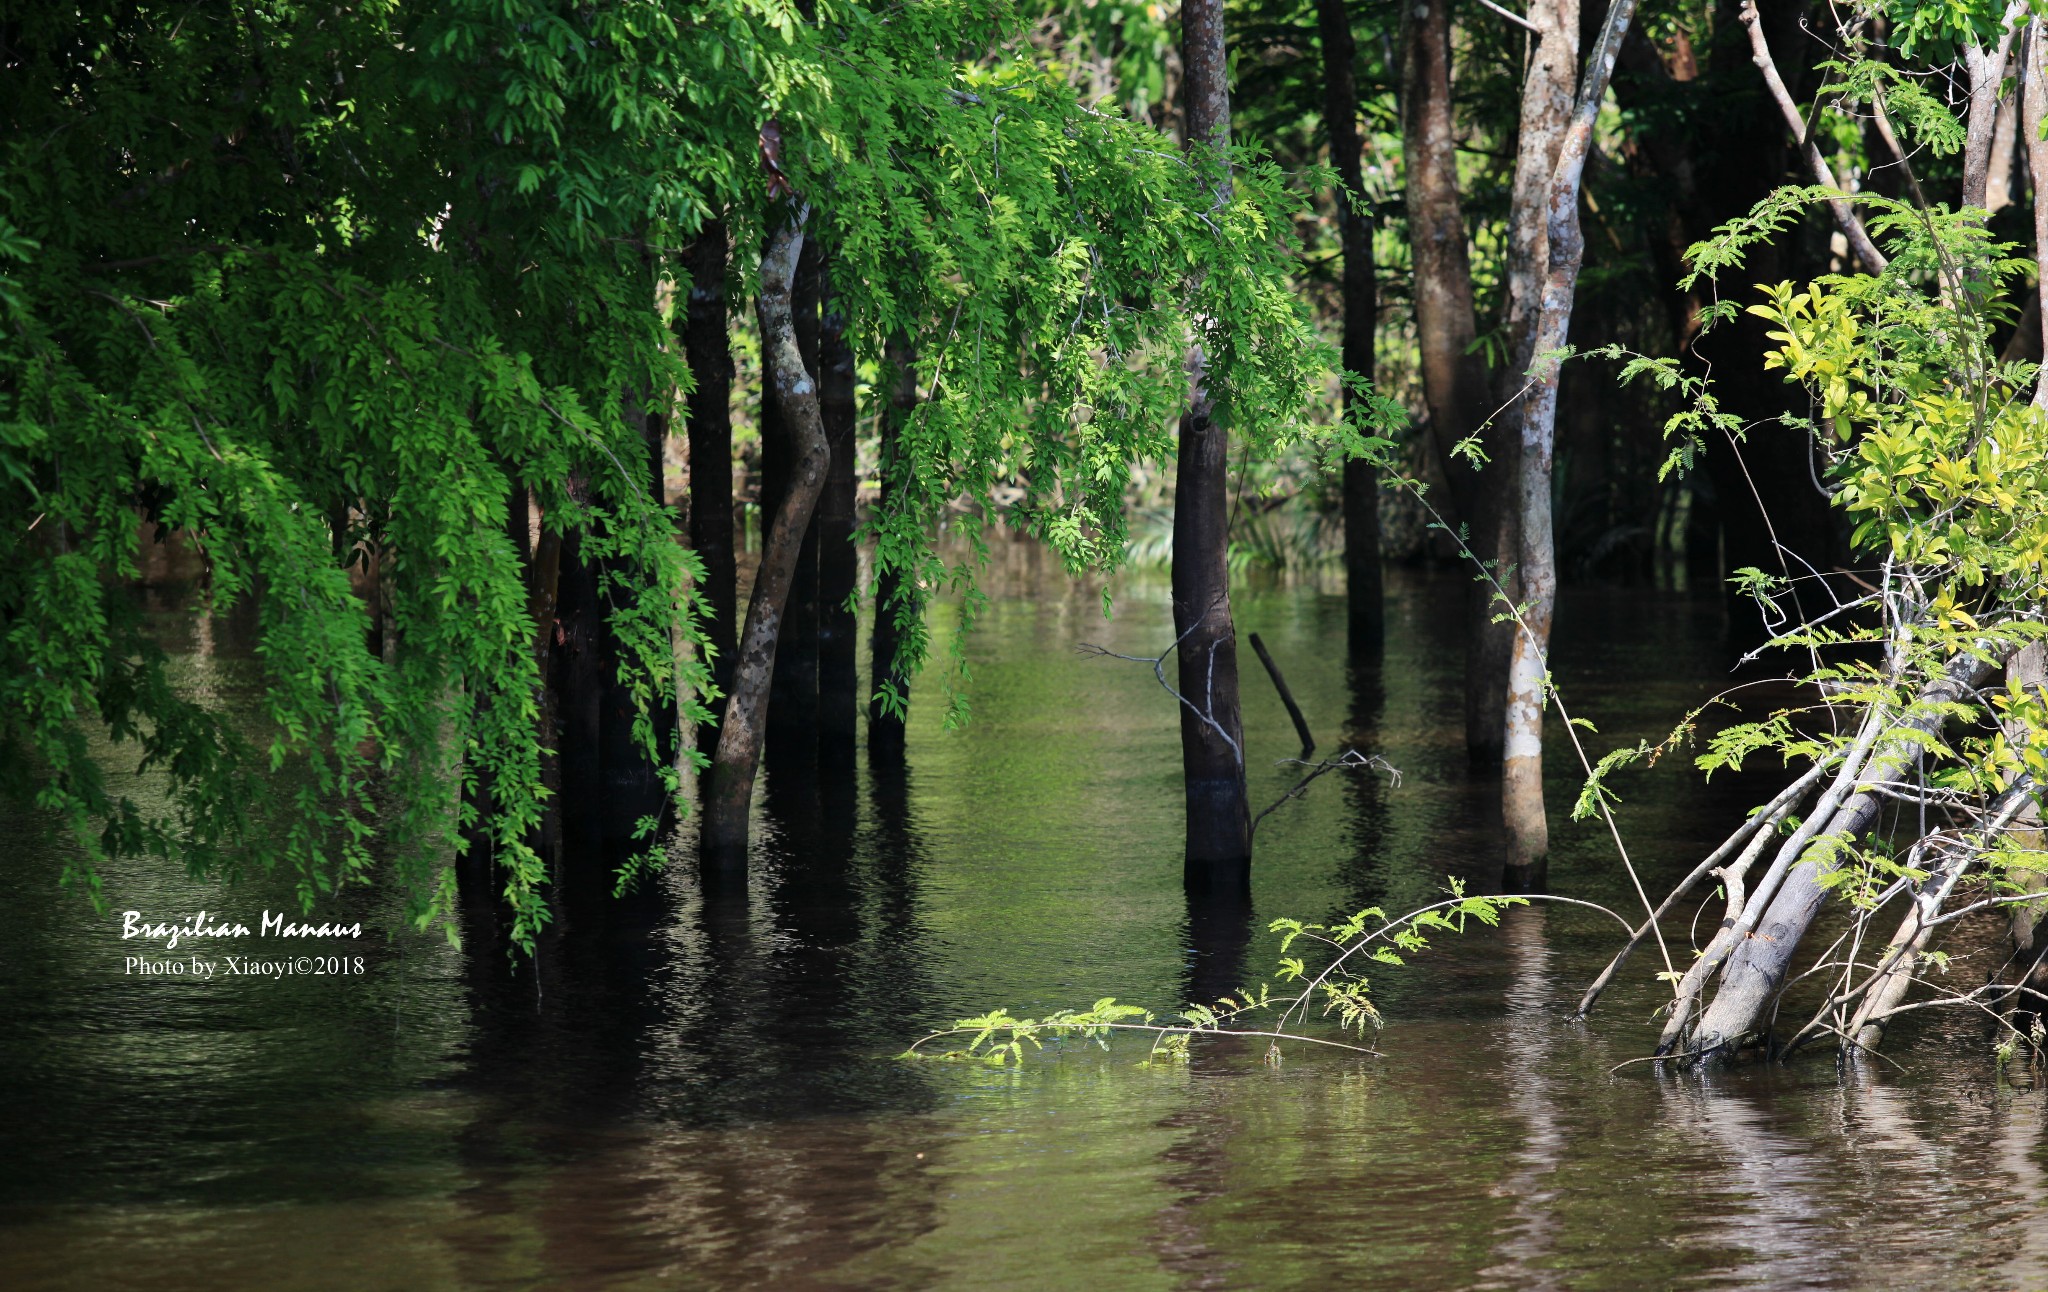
<point>795,395</point>
<point>1454,381</point>
<point>1547,97</point>
<point>1364,594</point>
<point>1779,916</point>
<point>708,348</point>
<point>891,685</point>
<point>838,560</point>
<point>1528,676</point>
<point>1218,856</point>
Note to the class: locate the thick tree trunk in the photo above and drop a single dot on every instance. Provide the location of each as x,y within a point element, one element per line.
<point>891,685</point>
<point>1218,856</point>
<point>708,348</point>
<point>1454,381</point>
<point>795,396</point>
<point>838,560</point>
<point>1362,583</point>
<point>1758,964</point>
<point>1547,99</point>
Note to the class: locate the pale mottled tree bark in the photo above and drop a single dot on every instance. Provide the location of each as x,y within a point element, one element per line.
<point>731,788</point>
<point>1528,676</point>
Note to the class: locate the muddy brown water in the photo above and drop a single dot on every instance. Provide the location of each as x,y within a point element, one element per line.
<point>701,1092</point>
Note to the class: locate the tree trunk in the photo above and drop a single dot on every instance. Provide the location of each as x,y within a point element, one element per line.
<point>1362,584</point>
<point>2034,105</point>
<point>891,685</point>
<point>1757,967</point>
<point>1987,78</point>
<point>795,397</point>
<point>707,346</point>
<point>1522,766</point>
<point>792,714</point>
<point>1218,855</point>
<point>838,560</point>
<point>1547,97</point>
<point>1453,378</point>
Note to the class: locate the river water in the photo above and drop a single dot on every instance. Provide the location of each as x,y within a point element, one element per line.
<point>697,1092</point>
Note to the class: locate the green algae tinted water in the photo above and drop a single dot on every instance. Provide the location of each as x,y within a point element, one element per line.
<point>699,1091</point>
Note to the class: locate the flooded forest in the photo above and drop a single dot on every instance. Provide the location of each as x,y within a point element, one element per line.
<point>936,643</point>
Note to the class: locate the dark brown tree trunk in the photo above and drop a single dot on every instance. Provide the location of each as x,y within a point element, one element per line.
<point>1218,857</point>
<point>838,559</point>
<point>1454,382</point>
<point>707,346</point>
<point>578,683</point>
<point>790,388</point>
<point>542,592</point>
<point>890,691</point>
<point>1363,591</point>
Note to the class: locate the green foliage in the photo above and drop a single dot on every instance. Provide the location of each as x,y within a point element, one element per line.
<point>328,294</point>
<point>1335,990</point>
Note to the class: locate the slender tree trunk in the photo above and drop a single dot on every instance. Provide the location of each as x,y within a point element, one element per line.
<point>838,560</point>
<point>1362,583</point>
<point>707,346</point>
<point>1987,78</point>
<point>1528,676</point>
<point>541,601</point>
<point>1547,99</point>
<point>1218,856</point>
<point>891,687</point>
<point>795,396</point>
<point>792,714</point>
<point>1454,381</point>
<point>2034,119</point>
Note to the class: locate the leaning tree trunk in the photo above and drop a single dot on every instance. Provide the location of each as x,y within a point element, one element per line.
<point>891,684</point>
<point>792,715</point>
<point>708,348</point>
<point>1547,97</point>
<point>838,560</point>
<point>731,787</point>
<point>1528,676</point>
<point>1218,853</point>
<point>1763,944</point>
<point>1453,377</point>
<point>1364,594</point>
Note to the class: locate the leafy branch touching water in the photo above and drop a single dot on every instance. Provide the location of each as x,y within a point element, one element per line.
<point>1338,990</point>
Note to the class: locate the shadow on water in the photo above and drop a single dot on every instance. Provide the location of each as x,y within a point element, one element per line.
<point>695,1085</point>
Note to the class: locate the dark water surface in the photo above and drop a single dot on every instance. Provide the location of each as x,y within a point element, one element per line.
<point>699,1092</point>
